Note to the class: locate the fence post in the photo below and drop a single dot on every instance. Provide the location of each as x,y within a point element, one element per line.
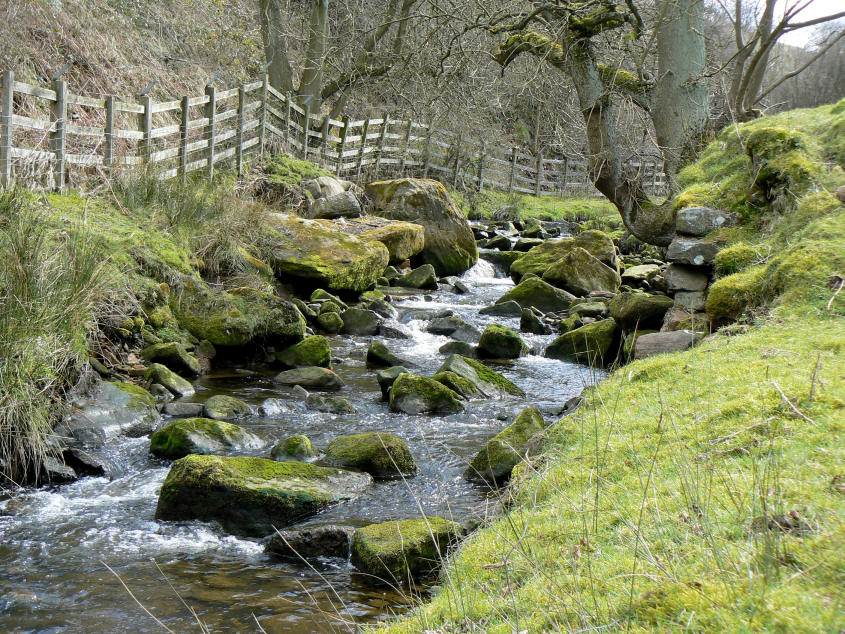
<point>406,147</point>
<point>146,127</point>
<point>306,125</point>
<point>287,123</point>
<point>211,115</point>
<point>239,152</point>
<point>362,149</point>
<point>565,174</point>
<point>7,103</point>
<point>457,160</point>
<point>381,140</point>
<point>59,138</point>
<point>539,184</point>
<point>262,117</point>
<point>183,138</point>
<point>481,165</point>
<point>427,163</point>
<point>324,131</point>
<point>513,171</point>
<point>108,154</point>
<point>343,136</point>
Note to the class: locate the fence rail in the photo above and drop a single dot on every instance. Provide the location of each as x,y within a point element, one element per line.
<point>199,133</point>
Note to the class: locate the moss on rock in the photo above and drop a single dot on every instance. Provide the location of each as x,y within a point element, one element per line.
<point>237,317</point>
<point>311,351</point>
<point>488,382</point>
<point>535,293</point>
<point>456,383</point>
<point>252,496</point>
<point>639,310</point>
<point>593,344</point>
<point>730,296</point>
<point>735,258</point>
<point>415,394</point>
<point>223,407</point>
<point>494,463</point>
<point>298,446</point>
<point>404,550</point>
<point>380,454</point>
<point>500,342</point>
<point>199,436</point>
<point>311,252</point>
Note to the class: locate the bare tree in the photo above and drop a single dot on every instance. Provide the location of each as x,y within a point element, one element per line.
<point>756,31</point>
<point>368,52</point>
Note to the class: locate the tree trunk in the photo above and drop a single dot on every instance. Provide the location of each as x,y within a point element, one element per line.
<point>312,71</point>
<point>650,223</point>
<point>275,45</point>
<point>681,111</point>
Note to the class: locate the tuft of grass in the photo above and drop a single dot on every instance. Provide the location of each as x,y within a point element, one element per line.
<point>50,285</point>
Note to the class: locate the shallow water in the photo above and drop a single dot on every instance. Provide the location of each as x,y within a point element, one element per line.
<point>56,545</point>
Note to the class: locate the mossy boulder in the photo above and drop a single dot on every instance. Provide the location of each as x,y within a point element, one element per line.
<point>415,394</point>
<point>252,496</point>
<point>456,383</point>
<point>488,382</point>
<point>174,356</point>
<point>401,551</point>
<point>636,275</point>
<point>449,243</point>
<point>639,310</point>
<point>580,273</point>
<point>494,463</point>
<point>330,322</point>
<point>329,404</point>
<point>310,377</point>
<point>423,276</point>
<point>311,351</point>
<point>200,436</point>
<point>403,240</point>
<point>298,447</point>
<point>731,296</point>
<point>317,254</point>
<point>158,373</point>
<point>380,454</point>
<point>223,407</point>
<point>236,317</point>
<point>379,356</point>
<point>594,344</point>
<point>540,258</point>
<point>321,296</point>
<point>535,293</point>
<point>455,327</point>
<point>114,409</point>
<point>500,342</point>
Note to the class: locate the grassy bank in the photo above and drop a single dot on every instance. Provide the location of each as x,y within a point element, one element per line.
<point>594,212</point>
<point>702,490</point>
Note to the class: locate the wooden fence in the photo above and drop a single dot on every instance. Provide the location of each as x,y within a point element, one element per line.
<point>92,137</point>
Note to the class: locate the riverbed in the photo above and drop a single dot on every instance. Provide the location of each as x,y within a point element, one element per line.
<point>57,544</point>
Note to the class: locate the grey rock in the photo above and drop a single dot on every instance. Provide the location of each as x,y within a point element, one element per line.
<point>359,321</point>
<point>386,378</point>
<point>421,277</point>
<point>690,300</point>
<point>698,221</point>
<point>680,277</point>
<point>344,205</point>
<point>691,251</point>
<point>458,347</point>
<point>505,309</point>
<point>309,543</point>
<point>329,404</point>
<point>272,407</point>
<point>182,409</point>
<point>454,327</point>
<point>530,322</point>
<point>54,471</point>
<point>663,342</point>
<point>378,355</point>
<point>313,377</point>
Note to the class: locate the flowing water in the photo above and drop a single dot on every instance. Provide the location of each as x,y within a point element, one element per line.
<point>57,545</point>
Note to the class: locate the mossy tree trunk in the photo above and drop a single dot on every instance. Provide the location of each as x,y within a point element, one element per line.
<point>677,102</point>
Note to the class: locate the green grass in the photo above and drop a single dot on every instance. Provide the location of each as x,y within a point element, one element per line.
<point>647,510</point>
<point>50,285</point>
<point>595,213</point>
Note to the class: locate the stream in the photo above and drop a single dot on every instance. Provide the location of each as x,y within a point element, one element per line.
<point>56,543</point>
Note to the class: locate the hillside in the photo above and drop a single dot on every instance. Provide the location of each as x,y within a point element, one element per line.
<point>700,490</point>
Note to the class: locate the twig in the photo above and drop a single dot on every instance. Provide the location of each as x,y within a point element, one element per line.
<point>134,598</point>
<point>794,409</point>
<point>841,284</point>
